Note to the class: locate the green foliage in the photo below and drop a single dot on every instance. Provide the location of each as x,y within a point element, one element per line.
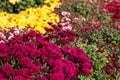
<point>6,6</point>
<point>92,52</point>
<point>94,37</point>
<point>104,16</point>
<point>111,34</point>
<point>99,60</point>
<point>84,9</point>
<point>103,35</point>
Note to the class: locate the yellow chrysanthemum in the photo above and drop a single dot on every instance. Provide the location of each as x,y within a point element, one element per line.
<point>13,1</point>
<point>40,29</point>
<point>36,18</point>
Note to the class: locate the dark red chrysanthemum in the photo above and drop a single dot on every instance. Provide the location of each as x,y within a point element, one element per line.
<point>8,70</point>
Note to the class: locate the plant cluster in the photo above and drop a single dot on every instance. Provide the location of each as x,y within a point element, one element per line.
<point>38,16</point>
<point>112,68</point>
<point>114,8</point>
<point>85,9</point>
<point>97,34</point>
<point>82,46</point>
<point>30,55</point>
<point>6,34</point>
<point>59,35</point>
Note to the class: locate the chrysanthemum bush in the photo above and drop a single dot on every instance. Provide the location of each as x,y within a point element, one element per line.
<point>30,55</point>
<point>6,34</point>
<point>114,8</point>
<point>98,34</point>
<point>39,16</point>
<point>91,52</point>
